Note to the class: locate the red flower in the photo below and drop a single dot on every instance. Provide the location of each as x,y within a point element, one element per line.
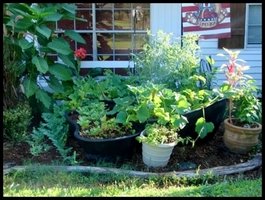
<point>230,68</point>
<point>80,53</point>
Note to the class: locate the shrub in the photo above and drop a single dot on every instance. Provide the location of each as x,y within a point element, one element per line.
<point>16,122</point>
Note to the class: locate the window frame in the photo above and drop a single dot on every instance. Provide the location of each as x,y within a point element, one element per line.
<point>95,63</point>
<point>247,25</point>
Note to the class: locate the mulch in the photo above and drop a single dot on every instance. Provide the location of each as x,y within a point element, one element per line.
<point>207,154</point>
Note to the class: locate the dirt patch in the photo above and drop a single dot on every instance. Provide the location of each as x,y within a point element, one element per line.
<point>208,154</point>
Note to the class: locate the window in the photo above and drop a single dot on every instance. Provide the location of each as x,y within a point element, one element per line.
<point>254,24</point>
<point>246,26</point>
<point>113,30</point>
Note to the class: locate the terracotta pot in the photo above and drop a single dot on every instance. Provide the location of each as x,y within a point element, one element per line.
<point>240,139</point>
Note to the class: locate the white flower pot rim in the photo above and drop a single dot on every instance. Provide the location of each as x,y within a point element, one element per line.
<point>160,145</point>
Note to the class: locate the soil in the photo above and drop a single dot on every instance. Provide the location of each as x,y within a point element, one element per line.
<point>207,154</point>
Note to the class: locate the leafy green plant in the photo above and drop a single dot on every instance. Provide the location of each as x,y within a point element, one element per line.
<point>84,89</point>
<point>114,86</point>
<point>175,60</point>
<point>160,134</point>
<point>55,129</point>
<point>16,122</point>
<point>153,103</point>
<point>240,89</point>
<point>29,28</point>
<point>95,123</point>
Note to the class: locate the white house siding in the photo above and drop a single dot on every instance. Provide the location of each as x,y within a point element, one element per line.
<point>167,16</point>
<point>253,57</point>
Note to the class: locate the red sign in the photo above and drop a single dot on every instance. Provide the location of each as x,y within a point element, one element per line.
<point>209,20</point>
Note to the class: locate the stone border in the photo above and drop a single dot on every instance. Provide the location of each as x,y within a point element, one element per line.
<point>221,170</point>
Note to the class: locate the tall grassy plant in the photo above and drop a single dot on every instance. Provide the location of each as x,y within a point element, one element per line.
<point>175,60</point>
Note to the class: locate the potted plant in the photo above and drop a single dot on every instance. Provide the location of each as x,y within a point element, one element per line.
<point>242,127</point>
<point>84,90</point>
<point>102,136</point>
<point>158,141</point>
<point>160,109</point>
<point>177,66</point>
<point>106,90</point>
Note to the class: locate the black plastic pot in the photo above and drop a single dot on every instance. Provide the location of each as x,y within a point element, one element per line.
<point>214,113</point>
<point>71,118</point>
<point>112,149</point>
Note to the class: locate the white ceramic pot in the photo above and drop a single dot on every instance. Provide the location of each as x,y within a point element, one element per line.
<point>157,155</point>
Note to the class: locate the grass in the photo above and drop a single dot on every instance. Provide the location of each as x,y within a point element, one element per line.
<point>48,183</point>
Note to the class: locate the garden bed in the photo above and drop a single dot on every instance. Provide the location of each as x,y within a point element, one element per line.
<point>205,155</point>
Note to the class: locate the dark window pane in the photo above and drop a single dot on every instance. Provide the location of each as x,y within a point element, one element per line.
<point>143,5</point>
<point>123,43</point>
<point>84,14</point>
<point>122,20</point>
<point>254,14</point>
<point>122,5</point>
<point>105,57</point>
<point>254,35</point>
<point>66,24</point>
<point>118,57</point>
<point>88,57</point>
<point>88,45</point>
<point>143,20</point>
<point>105,43</point>
<point>104,19</point>
<point>84,5</point>
<point>104,5</point>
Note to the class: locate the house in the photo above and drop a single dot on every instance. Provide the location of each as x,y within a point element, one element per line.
<point>114,30</point>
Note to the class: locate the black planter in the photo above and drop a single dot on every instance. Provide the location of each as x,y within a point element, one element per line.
<point>71,118</point>
<point>113,149</point>
<point>213,113</point>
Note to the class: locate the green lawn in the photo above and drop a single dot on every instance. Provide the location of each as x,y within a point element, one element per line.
<point>48,183</point>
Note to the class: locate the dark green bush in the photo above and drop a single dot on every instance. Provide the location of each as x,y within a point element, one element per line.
<point>16,122</point>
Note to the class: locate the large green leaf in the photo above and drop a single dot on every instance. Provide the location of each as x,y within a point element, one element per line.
<point>55,84</point>
<point>29,86</point>
<point>121,117</point>
<point>71,8</point>
<point>60,46</point>
<point>23,24</point>
<point>25,44</point>
<point>162,115</point>
<point>75,36</point>
<point>40,63</point>
<point>43,97</point>
<point>67,60</point>
<point>178,121</point>
<point>44,30</point>
<point>53,17</point>
<point>61,72</point>
<point>203,127</point>
<point>143,113</point>
<point>20,9</point>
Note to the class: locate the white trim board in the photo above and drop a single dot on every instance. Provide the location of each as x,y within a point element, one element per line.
<point>107,64</point>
